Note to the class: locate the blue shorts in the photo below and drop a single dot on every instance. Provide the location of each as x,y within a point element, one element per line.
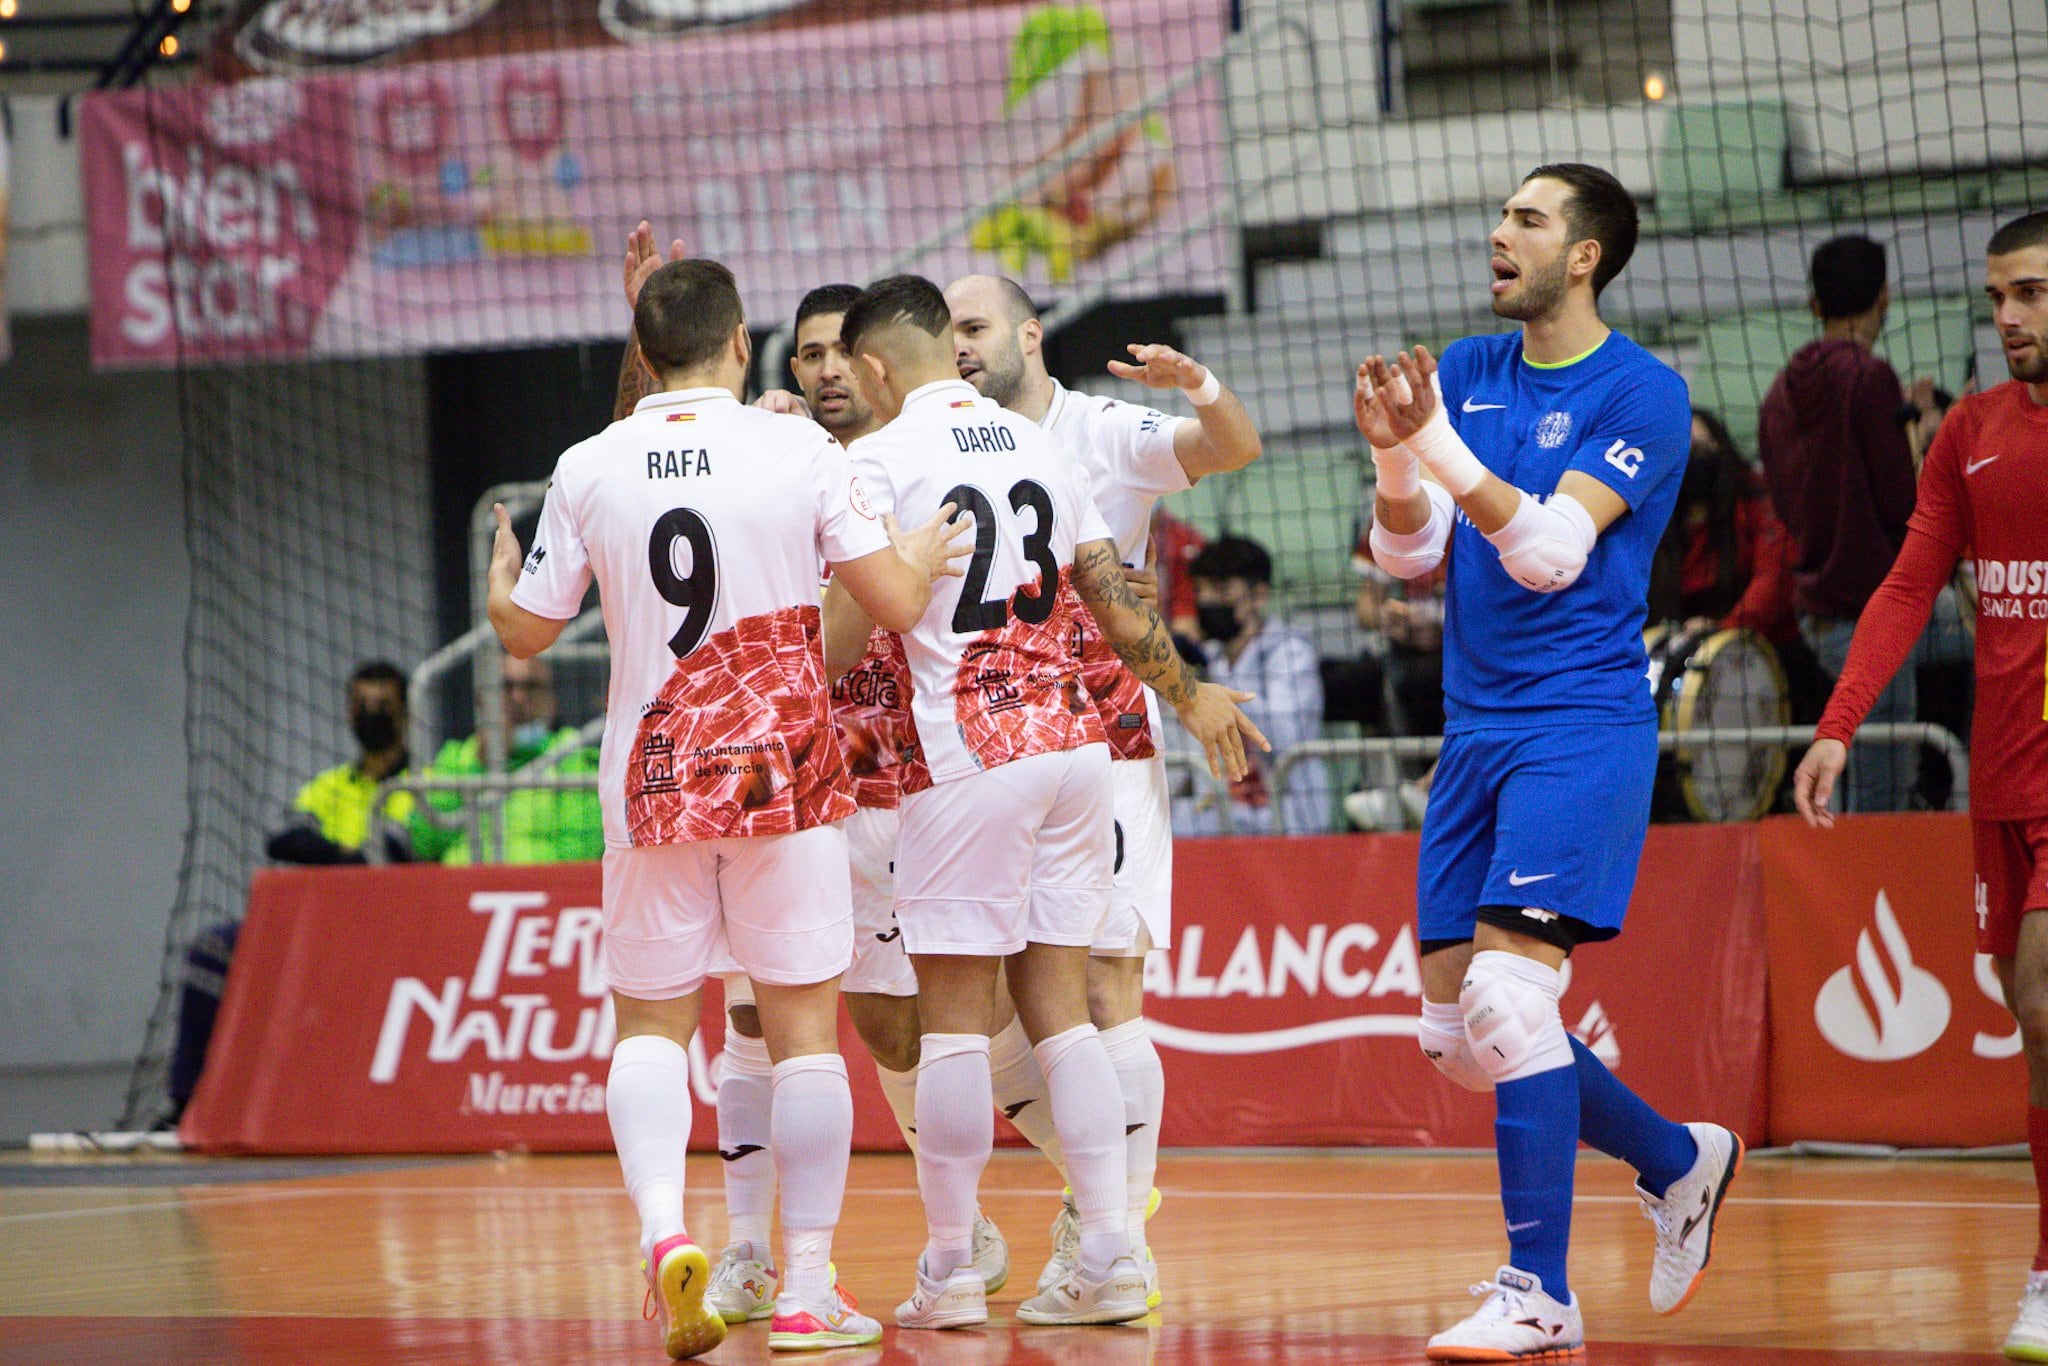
<point>1552,819</point>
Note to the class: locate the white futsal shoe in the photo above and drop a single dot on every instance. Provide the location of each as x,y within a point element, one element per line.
<point>991,1254</point>
<point>1518,1322</point>
<point>959,1301</point>
<point>743,1285</point>
<point>1118,1296</point>
<point>1685,1217</point>
<point>2028,1340</point>
<point>1066,1245</point>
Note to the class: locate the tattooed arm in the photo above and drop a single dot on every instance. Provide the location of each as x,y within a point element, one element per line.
<point>1134,630</point>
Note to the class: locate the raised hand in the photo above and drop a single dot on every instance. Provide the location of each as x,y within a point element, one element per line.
<point>1367,410</point>
<point>1406,389</point>
<point>934,548</point>
<point>506,555</point>
<point>642,260</point>
<point>1160,367</point>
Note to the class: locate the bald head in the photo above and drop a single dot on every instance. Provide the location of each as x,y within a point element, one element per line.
<point>997,338</point>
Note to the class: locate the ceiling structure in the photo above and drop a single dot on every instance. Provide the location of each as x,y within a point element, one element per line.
<point>61,46</point>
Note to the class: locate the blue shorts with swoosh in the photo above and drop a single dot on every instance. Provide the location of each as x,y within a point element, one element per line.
<point>1551,818</point>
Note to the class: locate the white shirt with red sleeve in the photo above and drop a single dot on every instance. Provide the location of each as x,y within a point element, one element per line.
<point>703,522</point>
<point>994,673</point>
<point>1127,453</point>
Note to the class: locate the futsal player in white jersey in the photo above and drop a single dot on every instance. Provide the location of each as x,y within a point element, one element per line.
<point>703,523</point>
<point>1133,456</point>
<point>1007,857</point>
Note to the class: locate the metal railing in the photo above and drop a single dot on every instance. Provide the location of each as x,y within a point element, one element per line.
<point>486,792</point>
<point>1754,737</point>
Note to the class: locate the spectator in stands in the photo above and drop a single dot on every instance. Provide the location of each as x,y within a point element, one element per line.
<point>1840,471</point>
<point>330,819</point>
<point>540,826</point>
<point>1242,649</point>
<point>330,824</point>
<point>1407,621</point>
<point>1725,562</point>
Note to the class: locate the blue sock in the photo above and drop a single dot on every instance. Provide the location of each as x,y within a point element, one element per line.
<point>1621,1124</point>
<point>1536,1142</point>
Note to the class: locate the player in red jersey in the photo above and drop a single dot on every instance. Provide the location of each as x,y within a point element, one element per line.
<point>723,783</point>
<point>1984,493</point>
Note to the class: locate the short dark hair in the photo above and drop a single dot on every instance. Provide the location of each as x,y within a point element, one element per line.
<point>1232,557</point>
<point>379,671</point>
<point>1601,210</point>
<point>687,312</point>
<point>826,299</point>
<point>2028,230</point>
<point>897,299</point>
<point>1847,275</point>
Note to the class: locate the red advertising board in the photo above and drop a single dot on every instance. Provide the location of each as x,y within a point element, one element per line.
<point>443,1009</point>
<point>1887,1025</point>
<point>1286,1009</point>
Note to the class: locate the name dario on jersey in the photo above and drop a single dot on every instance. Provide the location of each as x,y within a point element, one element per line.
<point>986,438</point>
<point>677,464</point>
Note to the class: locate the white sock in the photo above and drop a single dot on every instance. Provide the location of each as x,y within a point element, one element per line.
<point>1019,1085</point>
<point>647,1099</point>
<point>1088,1106</point>
<point>955,1131</point>
<point>900,1090</point>
<point>1130,1050</point>
<point>745,1100</point>
<point>813,1133</point>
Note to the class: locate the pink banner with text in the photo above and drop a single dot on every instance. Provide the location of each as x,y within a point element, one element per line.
<point>483,203</point>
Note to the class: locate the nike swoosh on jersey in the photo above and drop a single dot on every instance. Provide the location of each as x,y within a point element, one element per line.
<point>1515,879</point>
<point>1976,465</point>
<point>1472,407</point>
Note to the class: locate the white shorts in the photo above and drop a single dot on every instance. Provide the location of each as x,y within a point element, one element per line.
<point>1019,854</point>
<point>783,904</point>
<point>879,963</point>
<point>1141,901</point>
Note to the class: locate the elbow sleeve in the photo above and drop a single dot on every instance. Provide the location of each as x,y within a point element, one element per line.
<point>1544,545</point>
<point>1410,555</point>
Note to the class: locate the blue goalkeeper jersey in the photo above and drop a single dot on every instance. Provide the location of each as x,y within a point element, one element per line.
<point>1513,658</point>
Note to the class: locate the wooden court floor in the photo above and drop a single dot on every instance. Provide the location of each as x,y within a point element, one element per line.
<point>1269,1258</point>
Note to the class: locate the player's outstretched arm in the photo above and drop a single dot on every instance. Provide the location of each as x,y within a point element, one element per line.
<point>1222,437</point>
<point>524,634</point>
<point>1411,520</point>
<point>1134,630</point>
<point>894,586</point>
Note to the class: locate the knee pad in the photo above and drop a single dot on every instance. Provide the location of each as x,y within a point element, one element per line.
<point>1511,1018</point>
<point>1444,1044</point>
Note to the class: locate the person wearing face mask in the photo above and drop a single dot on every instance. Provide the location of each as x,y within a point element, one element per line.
<point>331,816</point>
<point>1279,666</point>
<point>539,826</point>
<point>1725,562</point>
<point>330,823</point>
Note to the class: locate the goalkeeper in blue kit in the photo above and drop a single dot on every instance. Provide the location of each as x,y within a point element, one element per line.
<point>1554,454</point>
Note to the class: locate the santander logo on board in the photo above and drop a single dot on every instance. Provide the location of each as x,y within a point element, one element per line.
<point>1879,1015</point>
